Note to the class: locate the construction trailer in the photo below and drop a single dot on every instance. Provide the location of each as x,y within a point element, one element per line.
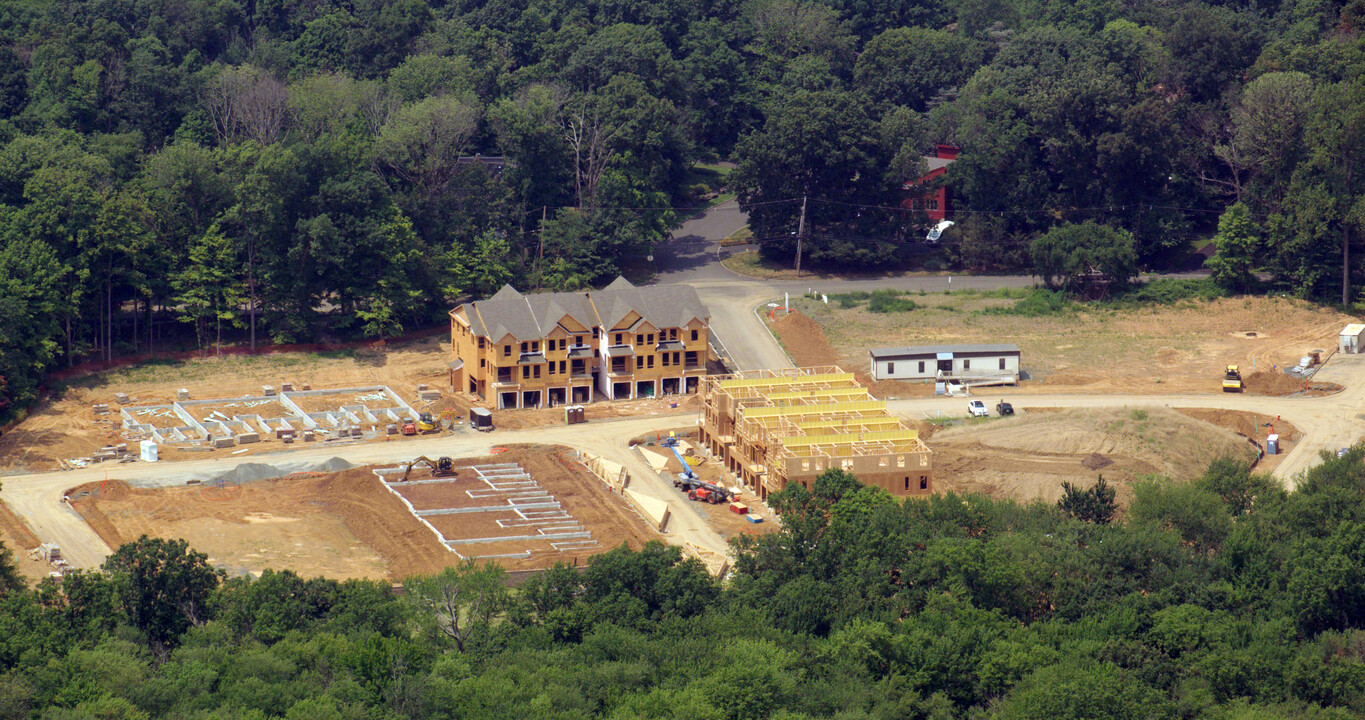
<point>772,428</point>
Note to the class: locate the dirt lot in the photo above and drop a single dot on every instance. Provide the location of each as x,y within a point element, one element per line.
<point>65,427</point>
<point>1159,349</point>
<point>19,539</point>
<point>1028,456</point>
<point>339,525</point>
<point>729,524</point>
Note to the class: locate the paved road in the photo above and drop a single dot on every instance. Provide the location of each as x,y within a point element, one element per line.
<point>38,497</point>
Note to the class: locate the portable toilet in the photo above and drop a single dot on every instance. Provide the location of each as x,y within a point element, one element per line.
<point>1272,444</point>
<point>1348,343</point>
<point>149,451</point>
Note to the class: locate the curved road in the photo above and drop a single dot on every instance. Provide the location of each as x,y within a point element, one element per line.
<point>691,258</point>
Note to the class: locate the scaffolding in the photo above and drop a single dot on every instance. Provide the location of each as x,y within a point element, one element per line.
<point>775,427</point>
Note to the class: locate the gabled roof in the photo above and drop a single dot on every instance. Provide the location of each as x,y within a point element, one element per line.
<point>531,317</point>
<point>662,306</point>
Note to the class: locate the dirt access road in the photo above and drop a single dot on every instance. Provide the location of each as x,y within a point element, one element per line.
<point>37,498</point>
<point>1327,423</point>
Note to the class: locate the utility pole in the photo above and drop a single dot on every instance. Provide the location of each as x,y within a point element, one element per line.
<point>540,254</point>
<point>800,235</point>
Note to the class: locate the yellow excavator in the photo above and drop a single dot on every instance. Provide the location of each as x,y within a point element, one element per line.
<point>442,467</point>
<point>1232,379</point>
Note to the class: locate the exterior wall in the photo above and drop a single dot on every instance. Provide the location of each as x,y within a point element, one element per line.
<point>907,368</point>
<point>937,204</point>
<point>934,203</point>
<point>488,367</point>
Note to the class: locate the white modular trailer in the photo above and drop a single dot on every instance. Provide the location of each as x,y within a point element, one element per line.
<point>945,362</point>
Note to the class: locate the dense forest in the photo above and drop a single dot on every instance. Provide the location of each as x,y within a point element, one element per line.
<point>1226,598</point>
<point>291,170</point>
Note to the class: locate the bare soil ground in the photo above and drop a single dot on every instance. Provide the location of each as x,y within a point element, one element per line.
<point>339,525</point>
<point>1028,456</point>
<point>20,540</point>
<point>65,427</point>
<point>1176,348</point>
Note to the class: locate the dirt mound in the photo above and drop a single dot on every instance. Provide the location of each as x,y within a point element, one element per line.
<point>1096,461</point>
<point>335,464</point>
<point>804,340</point>
<point>249,472</point>
<point>1271,383</point>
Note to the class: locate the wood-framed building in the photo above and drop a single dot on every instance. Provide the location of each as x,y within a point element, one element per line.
<point>543,350</point>
<point>775,427</point>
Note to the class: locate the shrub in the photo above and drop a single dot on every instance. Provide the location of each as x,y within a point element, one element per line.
<point>1038,303</point>
<point>889,301</point>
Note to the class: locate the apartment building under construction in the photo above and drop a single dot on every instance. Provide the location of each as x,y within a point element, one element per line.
<point>776,427</point>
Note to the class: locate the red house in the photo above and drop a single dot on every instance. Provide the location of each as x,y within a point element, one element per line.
<point>937,204</point>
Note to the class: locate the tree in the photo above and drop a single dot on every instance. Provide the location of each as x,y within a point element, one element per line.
<point>209,287</point>
<point>1233,267</point>
<point>461,602</point>
<point>424,141</point>
<point>1265,142</point>
<point>10,579</point>
<point>1068,692</point>
<point>1095,505</point>
<point>909,66</point>
<point>247,103</point>
<point>824,147</point>
<point>1070,256</point>
<point>163,587</point>
<point>1336,137</point>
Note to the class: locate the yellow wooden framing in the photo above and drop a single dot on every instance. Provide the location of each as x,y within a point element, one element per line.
<point>888,436</point>
<point>855,449</point>
<point>856,406</point>
<point>785,381</point>
<point>845,392</point>
<point>865,423</point>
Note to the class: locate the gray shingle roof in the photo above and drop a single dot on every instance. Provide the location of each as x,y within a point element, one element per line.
<point>531,317</point>
<point>899,352</point>
<point>663,306</point>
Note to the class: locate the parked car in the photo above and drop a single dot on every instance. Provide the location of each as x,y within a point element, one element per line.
<point>1004,408</point>
<point>976,408</point>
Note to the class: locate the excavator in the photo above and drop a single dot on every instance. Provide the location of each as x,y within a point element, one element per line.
<point>441,467</point>
<point>1232,379</point>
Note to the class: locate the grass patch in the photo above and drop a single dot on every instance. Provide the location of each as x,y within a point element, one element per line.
<point>877,301</point>
<point>1038,303</point>
<point>742,236</point>
<point>752,264</point>
<point>1005,293</point>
